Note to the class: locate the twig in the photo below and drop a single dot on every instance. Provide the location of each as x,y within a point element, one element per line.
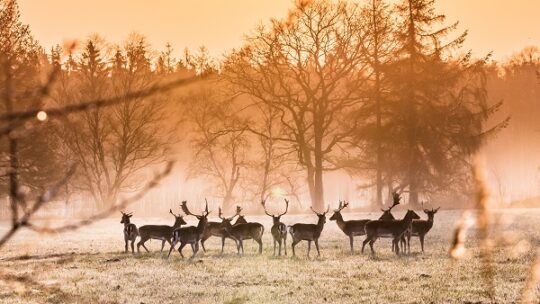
<point>99,103</point>
<point>45,197</point>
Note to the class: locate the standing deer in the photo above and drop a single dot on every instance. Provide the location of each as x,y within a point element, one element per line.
<point>278,230</point>
<point>246,231</point>
<point>219,230</point>
<point>388,228</point>
<point>159,232</point>
<point>190,235</point>
<point>308,232</point>
<point>130,231</point>
<point>420,228</point>
<point>350,228</point>
<point>387,214</point>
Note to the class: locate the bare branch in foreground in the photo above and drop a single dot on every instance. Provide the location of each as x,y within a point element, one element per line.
<point>99,103</point>
<point>45,197</point>
<point>99,216</point>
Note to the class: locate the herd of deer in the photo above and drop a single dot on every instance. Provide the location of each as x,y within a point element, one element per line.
<point>399,230</point>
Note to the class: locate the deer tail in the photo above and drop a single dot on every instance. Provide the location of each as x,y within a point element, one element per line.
<point>291,229</point>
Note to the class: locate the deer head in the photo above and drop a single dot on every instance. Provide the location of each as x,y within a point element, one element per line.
<point>337,212</point>
<point>275,218</point>
<point>178,219</point>
<point>125,217</point>
<point>430,213</point>
<point>322,216</point>
<point>241,219</point>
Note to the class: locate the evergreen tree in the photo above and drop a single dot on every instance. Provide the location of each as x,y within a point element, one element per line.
<point>439,104</point>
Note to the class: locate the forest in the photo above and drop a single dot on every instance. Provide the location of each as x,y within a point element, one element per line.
<point>368,93</point>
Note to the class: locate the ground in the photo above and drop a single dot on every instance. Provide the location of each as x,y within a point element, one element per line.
<point>89,266</point>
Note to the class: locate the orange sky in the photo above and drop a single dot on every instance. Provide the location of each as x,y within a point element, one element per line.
<point>501,26</point>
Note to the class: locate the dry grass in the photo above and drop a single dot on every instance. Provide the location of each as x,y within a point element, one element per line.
<point>87,266</point>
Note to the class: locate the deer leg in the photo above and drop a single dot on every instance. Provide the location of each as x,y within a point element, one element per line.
<point>260,245</point>
<point>242,246</point>
<point>396,241</point>
<point>162,245</point>
<point>308,248</point>
<point>293,245</point>
<point>421,237</point>
<point>364,244</point>
<point>126,247</point>
<point>408,243</point>
<point>182,245</point>
<point>204,240</point>
<point>172,247</point>
<point>139,245</point>
<point>195,249</point>
<point>279,247</point>
<point>317,246</point>
<point>285,243</point>
<point>351,241</point>
<point>371,246</point>
<point>222,244</point>
<point>133,246</point>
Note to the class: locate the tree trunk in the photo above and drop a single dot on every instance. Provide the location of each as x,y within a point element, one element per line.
<point>413,194</point>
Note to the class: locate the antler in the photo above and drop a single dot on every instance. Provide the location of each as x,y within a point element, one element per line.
<point>206,212</point>
<point>128,214</point>
<point>396,199</point>
<point>185,209</point>
<point>228,218</point>
<point>263,203</point>
<point>342,205</point>
<point>286,207</point>
<point>175,215</point>
<point>327,209</point>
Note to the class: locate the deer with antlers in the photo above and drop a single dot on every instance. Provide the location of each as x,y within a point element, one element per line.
<point>308,232</point>
<point>159,232</point>
<point>218,229</point>
<point>419,228</point>
<point>278,230</point>
<point>130,231</point>
<point>190,235</point>
<point>394,229</point>
<point>350,228</point>
<point>241,232</point>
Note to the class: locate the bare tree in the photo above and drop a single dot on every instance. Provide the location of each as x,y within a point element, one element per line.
<point>112,145</point>
<point>219,153</point>
<point>309,69</point>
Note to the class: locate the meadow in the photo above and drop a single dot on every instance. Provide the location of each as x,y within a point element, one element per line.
<point>89,266</point>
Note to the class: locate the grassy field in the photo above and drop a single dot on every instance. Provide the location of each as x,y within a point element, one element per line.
<point>88,266</point>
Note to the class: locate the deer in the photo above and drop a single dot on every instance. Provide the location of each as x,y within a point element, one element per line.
<point>191,234</point>
<point>159,232</point>
<point>387,214</point>
<point>278,230</point>
<point>419,228</point>
<point>394,229</point>
<point>350,228</point>
<point>246,231</point>
<point>130,231</point>
<point>218,229</point>
<point>308,232</point>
